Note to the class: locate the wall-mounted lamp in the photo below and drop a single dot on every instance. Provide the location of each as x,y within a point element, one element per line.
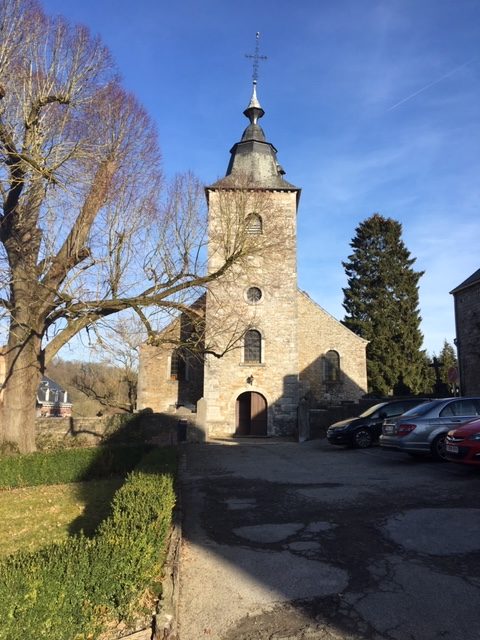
<point>250,380</point>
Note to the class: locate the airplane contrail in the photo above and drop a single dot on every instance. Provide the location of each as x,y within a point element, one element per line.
<point>431,84</point>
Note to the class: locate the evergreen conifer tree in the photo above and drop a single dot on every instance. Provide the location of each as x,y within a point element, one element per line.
<point>429,380</point>
<point>381,303</point>
<point>448,358</point>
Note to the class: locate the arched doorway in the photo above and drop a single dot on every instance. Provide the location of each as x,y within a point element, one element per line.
<point>251,418</point>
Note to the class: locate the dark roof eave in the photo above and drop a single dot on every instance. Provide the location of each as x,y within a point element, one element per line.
<point>248,141</point>
<point>469,282</point>
<point>217,186</point>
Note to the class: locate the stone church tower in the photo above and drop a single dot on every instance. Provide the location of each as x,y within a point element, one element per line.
<point>255,385</point>
<point>277,345</point>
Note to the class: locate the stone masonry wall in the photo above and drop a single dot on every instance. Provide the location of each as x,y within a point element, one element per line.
<point>319,332</point>
<point>160,429</point>
<point>156,390</point>
<point>274,316</point>
<point>467,318</point>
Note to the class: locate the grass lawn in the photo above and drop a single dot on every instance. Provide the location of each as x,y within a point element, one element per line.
<point>32,517</point>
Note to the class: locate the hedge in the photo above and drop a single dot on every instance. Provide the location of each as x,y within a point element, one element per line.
<point>74,590</point>
<point>68,465</point>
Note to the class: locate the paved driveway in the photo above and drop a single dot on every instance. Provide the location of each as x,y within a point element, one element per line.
<point>309,541</point>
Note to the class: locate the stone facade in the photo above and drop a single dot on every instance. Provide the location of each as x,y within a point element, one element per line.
<point>467,323</point>
<point>274,316</point>
<point>278,349</point>
<point>169,374</point>
<point>319,333</point>
<point>163,391</point>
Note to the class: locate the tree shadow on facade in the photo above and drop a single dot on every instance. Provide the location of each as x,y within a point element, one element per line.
<point>327,392</point>
<point>328,401</point>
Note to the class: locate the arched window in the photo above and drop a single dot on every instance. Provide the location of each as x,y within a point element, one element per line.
<point>331,367</point>
<point>177,365</point>
<point>253,346</point>
<point>254,224</point>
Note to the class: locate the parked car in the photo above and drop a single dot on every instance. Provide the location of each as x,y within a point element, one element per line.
<point>423,430</point>
<point>365,429</point>
<point>463,444</point>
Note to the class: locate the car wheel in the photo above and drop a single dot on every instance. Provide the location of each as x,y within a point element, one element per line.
<point>438,448</point>
<point>362,439</point>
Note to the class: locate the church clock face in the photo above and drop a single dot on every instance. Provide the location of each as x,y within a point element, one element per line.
<point>254,295</point>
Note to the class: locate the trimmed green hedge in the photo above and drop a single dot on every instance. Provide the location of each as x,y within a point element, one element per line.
<point>73,590</point>
<point>69,465</point>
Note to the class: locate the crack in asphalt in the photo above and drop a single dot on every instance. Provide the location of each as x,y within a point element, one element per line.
<point>283,506</point>
<point>350,532</point>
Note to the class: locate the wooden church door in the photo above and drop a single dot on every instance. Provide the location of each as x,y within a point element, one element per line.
<point>251,414</point>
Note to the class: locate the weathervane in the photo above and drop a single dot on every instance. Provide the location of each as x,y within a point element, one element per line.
<point>256,57</point>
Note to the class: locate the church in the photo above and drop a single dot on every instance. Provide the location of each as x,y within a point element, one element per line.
<point>278,347</point>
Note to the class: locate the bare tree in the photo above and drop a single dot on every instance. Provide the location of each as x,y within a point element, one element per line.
<point>87,228</point>
<point>113,388</point>
<point>113,382</point>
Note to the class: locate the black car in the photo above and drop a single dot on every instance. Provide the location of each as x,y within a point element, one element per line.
<point>362,431</point>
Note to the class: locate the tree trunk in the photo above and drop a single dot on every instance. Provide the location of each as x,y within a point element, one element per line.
<point>23,375</point>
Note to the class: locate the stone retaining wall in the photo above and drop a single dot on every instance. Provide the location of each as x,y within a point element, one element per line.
<point>158,428</point>
<point>166,428</point>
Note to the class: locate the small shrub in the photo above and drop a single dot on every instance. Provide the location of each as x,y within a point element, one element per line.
<point>69,465</point>
<point>71,591</point>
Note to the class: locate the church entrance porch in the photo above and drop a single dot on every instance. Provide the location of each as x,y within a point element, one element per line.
<point>251,414</point>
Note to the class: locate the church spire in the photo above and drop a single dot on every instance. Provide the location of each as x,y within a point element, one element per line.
<point>254,110</point>
<point>254,157</point>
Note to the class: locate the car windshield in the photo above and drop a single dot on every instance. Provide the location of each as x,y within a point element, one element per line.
<point>371,410</point>
<point>422,409</point>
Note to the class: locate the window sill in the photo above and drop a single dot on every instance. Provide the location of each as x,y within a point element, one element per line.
<point>251,364</point>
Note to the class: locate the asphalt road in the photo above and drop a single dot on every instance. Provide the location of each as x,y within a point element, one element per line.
<point>309,541</point>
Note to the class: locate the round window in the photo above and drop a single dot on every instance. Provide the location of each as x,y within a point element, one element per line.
<point>254,294</point>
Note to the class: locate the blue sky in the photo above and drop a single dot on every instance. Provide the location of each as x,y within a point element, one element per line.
<point>373,106</point>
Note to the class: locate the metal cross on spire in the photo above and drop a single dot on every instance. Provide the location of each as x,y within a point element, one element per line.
<point>256,57</point>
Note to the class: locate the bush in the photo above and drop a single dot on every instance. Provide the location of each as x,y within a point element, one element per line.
<point>69,465</point>
<point>73,590</point>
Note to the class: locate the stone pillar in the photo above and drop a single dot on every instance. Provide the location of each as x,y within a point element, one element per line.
<point>200,433</point>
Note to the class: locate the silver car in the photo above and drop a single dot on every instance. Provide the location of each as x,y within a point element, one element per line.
<point>422,430</point>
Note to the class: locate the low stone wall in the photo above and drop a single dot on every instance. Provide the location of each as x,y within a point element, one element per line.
<point>158,428</point>
<point>320,419</point>
<point>166,429</point>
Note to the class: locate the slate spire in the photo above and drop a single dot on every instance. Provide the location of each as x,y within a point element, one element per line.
<point>254,157</point>
<point>254,112</point>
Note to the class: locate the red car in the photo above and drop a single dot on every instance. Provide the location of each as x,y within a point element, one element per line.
<point>463,444</point>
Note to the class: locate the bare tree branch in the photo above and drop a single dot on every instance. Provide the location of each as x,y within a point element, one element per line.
<point>88,228</point>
